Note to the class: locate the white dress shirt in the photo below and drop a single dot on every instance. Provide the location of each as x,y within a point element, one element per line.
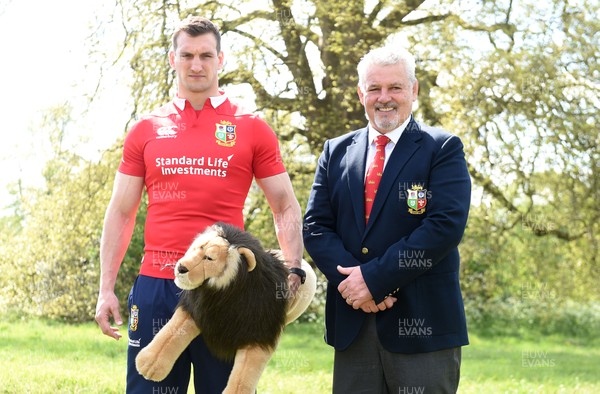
<point>394,137</point>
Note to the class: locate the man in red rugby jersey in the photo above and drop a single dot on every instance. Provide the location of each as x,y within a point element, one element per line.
<point>196,156</point>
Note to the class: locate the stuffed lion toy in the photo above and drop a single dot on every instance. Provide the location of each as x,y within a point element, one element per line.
<point>236,294</point>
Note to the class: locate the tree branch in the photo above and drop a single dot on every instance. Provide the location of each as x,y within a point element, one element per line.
<point>236,23</point>
<point>263,98</point>
<point>400,11</point>
<point>426,19</point>
<point>376,10</point>
<point>297,61</point>
<point>260,43</point>
<point>507,28</point>
<point>539,231</point>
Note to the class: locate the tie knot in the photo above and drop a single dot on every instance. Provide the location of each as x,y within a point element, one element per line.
<point>381,140</point>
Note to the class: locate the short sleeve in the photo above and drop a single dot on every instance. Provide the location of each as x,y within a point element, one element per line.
<point>132,161</point>
<point>267,159</point>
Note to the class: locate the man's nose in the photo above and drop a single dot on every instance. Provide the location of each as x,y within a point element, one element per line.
<point>196,64</point>
<point>384,96</point>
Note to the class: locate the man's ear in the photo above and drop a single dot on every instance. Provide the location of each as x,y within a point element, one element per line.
<point>415,91</point>
<point>249,255</point>
<point>172,58</point>
<point>361,95</point>
<point>221,57</point>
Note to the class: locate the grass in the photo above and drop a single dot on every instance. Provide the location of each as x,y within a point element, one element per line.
<point>48,357</point>
<point>544,365</point>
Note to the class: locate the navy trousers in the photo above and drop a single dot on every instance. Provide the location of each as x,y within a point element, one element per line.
<point>151,303</point>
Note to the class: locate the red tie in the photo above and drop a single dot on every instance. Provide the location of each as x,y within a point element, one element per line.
<point>374,174</point>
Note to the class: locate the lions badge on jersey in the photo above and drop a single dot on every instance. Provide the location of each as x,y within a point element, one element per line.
<point>225,133</point>
<point>133,318</point>
<point>417,200</point>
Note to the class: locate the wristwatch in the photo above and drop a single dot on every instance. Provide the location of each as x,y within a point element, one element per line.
<point>300,272</point>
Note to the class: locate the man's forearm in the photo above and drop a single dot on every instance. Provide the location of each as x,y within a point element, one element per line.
<point>116,235</point>
<point>286,215</point>
<point>288,227</point>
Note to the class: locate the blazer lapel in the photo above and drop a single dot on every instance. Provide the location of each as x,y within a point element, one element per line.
<point>403,151</point>
<point>356,156</point>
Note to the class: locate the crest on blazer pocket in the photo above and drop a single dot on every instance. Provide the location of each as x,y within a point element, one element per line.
<point>416,200</point>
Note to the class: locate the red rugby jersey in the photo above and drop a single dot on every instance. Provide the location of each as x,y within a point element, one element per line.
<point>198,167</point>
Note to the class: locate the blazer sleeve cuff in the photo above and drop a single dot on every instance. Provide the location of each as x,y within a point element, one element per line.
<point>370,275</point>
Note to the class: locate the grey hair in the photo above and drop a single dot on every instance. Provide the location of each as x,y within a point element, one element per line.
<point>385,56</point>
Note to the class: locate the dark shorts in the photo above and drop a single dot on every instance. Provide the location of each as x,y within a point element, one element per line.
<point>151,304</point>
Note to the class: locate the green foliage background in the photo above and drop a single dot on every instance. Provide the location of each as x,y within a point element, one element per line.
<point>517,81</point>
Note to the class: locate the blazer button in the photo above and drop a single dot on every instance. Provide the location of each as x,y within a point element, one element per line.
<point>364,250</point>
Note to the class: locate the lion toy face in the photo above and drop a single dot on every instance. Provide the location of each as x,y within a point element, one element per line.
<point>211,259</point>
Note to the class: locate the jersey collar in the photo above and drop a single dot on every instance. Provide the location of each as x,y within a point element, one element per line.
<point>215,101</point>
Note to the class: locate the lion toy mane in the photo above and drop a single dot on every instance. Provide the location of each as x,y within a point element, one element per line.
<point>236,294</point>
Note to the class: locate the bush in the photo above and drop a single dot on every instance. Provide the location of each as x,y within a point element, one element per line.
<point>54,252</point>
<point>513,316</point>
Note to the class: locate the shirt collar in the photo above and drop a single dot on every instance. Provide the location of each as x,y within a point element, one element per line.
<point>215,101</point>
<point>393,135</point>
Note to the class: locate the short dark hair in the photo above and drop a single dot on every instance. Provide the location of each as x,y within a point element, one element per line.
<point>196,26</point>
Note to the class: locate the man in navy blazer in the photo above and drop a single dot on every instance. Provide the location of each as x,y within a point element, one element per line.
<point>394,310</point>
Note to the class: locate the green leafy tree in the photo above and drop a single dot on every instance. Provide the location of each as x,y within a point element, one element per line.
<point>517,80</point>
<point>54,242</point>
<point>527,108</point>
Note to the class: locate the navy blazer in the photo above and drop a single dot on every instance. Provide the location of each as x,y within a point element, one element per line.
<point>405,250</point>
